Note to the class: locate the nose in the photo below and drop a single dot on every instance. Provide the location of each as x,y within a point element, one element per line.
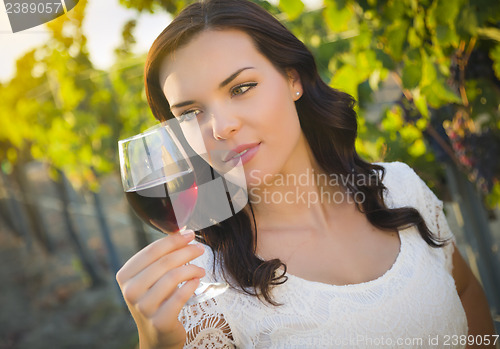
<point>225,124</point>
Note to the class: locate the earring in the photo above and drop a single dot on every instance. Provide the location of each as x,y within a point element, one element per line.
<point>297,93</point>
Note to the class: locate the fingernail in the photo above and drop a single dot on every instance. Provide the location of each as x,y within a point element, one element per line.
<point>188,234</point>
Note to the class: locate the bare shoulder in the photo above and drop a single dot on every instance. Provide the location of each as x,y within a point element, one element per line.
<point>462,274</point>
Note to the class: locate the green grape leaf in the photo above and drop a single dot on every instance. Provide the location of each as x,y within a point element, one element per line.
<point>413,38</point>
<point>419,23</point>
<point>410,133</point>
<point>396,37</point>
<point>429,73</point>
<point>417,149</point>
<point>394,10</point>
<point>346,79</point>
<point>490,33</point>
<point>393,120</point>
<point>439,94</point>
<point>337,19</point>
<point>446,10</point>
<point>446,36</point>
<point>292,8</point>
<point>467,22</point>
<point>412,74</point>
<point>421,104</point>
<point>495,56</point>
<point>366,63</point>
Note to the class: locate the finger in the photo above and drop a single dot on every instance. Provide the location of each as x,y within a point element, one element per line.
<point>136,287</point>
<point>151,253</point>
<point>166,287</point>
<point>152,273</point>
<point>174,304</point>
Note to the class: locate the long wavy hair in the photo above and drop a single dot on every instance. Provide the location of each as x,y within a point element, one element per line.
<point>327,119</point>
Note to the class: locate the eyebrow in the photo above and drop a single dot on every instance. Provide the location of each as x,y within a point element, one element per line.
<point>221,85</point>
<point>180,105</point>
<point>233,76</point>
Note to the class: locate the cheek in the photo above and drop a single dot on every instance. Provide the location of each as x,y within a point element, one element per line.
<point>277,104</point>
<point>279,128</point>
<point>283,138</point>
<point>278,117</point>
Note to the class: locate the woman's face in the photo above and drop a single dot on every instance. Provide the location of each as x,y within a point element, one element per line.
<point>244,106</point>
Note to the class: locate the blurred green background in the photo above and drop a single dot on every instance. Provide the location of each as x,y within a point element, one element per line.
<point>425,73</point>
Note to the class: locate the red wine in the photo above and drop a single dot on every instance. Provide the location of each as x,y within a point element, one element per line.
<point>154,201</point>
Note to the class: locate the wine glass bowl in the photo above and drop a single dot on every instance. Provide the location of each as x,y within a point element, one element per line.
<point>160,185</point>
<point>158,179</point>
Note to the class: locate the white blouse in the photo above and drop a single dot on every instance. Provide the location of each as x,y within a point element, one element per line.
<point>412,305</point>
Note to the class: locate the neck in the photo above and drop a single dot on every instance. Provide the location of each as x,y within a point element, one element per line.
<point>301,196</point>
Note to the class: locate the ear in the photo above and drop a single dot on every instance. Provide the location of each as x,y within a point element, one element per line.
<point>294,83</point>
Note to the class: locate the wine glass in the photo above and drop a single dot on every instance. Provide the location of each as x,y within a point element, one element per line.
<point>160,184</point>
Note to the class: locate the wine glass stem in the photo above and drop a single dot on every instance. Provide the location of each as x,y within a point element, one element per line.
<point>205,290</point>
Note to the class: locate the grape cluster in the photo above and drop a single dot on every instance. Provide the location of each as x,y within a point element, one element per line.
<point>480,66</point>
<point>452,131</point>
<point>477,151</point>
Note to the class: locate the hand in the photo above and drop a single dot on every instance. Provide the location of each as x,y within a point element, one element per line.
<point>149,283</point>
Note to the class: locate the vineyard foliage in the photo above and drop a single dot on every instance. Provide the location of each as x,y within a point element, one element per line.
<point>443,56</point>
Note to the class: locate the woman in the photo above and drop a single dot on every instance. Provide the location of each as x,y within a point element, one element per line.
<point>359,255</point>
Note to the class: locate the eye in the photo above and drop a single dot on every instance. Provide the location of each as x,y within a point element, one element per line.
<point>189,115</point>
<point>243,88</point>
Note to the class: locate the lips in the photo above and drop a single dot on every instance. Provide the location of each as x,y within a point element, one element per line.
<point>239,151</point>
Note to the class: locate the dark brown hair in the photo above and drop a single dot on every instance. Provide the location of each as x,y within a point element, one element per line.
<point>327,119</point>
